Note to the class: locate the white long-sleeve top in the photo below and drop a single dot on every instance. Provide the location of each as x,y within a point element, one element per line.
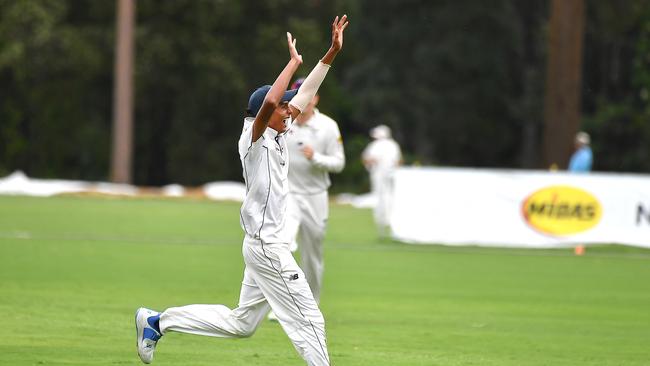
<point>323,135</point>
<point>385,155</point>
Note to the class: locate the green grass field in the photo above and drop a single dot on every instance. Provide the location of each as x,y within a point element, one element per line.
<point>74,269</point>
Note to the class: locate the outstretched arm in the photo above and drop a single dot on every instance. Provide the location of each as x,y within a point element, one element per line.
<point>274,96</point>
<point>313,81</point>
<point>338,26</point>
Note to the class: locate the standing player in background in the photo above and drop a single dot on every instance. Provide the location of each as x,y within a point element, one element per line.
<point>582,158</point>
<point>315,150</point>
<point>271,275</point>
<point>381,157</point>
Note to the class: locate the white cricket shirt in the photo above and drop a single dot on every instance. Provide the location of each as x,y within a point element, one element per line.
<point>323,135</point>
<point>386,155</point>
<point>265,168</point>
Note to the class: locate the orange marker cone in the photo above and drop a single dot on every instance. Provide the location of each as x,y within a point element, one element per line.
<point>579,250</point>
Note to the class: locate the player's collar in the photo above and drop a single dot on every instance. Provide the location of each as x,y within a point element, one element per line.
<point>272,133</point>
<point>311,122</point>
<point>248,121</point>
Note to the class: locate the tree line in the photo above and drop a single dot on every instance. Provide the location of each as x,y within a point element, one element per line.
<point>461,83</point>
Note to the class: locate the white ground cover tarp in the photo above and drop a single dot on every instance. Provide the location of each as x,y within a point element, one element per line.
<point>18,183</point>
<point>231,191</point>
<point>366,200</point>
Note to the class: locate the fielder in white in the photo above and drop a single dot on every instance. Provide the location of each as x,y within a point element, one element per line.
<point>381,157</point>
<point>271,276</point>
<point>315,150</point>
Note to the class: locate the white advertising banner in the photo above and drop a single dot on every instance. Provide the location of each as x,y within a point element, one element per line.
<point>506,208</point>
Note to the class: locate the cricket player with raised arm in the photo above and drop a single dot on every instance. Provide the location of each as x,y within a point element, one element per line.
<point>272,278</point>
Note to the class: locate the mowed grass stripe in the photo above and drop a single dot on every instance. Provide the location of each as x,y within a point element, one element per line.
<point>69,292</point>
<point>595,251</point>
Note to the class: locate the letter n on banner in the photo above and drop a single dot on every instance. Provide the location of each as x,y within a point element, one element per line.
<point>642,213</point>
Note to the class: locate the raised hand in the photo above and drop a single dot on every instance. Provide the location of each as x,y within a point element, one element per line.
<point>293,52</point>
<point>338,26</point>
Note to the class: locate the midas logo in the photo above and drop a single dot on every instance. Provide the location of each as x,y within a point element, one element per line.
<point>561,210</point>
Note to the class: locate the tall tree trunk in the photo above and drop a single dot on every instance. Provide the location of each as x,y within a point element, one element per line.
<point>123,94</point>
<point>563,80</point>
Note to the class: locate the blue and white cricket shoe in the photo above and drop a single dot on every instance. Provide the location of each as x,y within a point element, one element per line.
<point>147,332</point>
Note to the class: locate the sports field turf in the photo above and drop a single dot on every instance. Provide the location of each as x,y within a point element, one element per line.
<point>74,269</point>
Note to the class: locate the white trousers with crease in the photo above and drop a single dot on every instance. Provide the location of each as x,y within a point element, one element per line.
<point>382,187</point>
<point>271,278</point>
<point>307,222</point>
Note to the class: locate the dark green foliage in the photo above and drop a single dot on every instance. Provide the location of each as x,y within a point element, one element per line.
<point>617,89</point>
<point>461,82</point>
<point>443,74</point>
<point>55,87</point>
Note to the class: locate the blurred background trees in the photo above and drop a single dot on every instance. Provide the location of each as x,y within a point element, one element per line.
<point>460,82</point>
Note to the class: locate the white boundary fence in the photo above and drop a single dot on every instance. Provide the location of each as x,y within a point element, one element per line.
<point>534,209</point>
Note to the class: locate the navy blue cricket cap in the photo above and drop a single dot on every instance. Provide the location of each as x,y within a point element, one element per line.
<point>257,98</point>
<point>298,83</point>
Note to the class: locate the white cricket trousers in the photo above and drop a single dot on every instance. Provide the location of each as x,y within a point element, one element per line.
<point>382,187</point>
<point>271,277</point>
<point>306,222</point>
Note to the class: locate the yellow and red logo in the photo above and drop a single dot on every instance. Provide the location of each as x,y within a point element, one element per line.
<point>562,210</point>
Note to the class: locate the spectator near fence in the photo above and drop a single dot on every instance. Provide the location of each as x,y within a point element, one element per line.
<point>582,158</point>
